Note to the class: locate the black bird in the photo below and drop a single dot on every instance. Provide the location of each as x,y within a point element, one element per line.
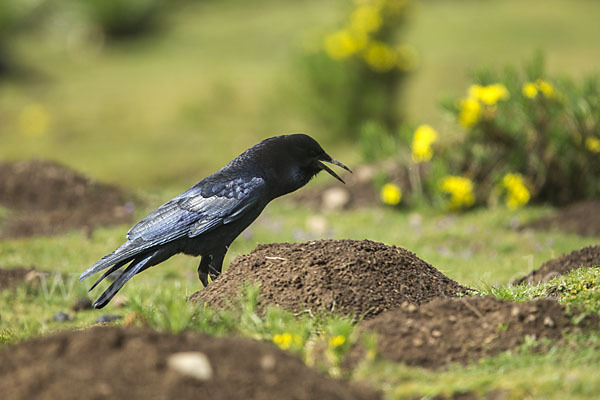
<point>204,220</point>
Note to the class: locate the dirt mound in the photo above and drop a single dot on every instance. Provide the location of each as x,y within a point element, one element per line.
<point>582,218</point>
<point>459,330</point>
<point>11,278</point>
<point>348,276</point>
<point>586,257</point>
<point>48,198</point>
<point>135,364</point>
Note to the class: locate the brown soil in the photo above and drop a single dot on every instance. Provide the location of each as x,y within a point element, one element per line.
<point>11,278</point>
<point>460,330</point>
<point>586,257</point>
<point>48,198</point>
<point>582,218</point>
<point>110,362</point>
<point>347,276</point>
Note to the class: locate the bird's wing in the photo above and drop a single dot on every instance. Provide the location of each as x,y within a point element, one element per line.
<point>202,208</point>
<point>199,210</point>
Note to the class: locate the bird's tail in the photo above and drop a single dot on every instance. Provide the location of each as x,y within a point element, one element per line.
<point>137,265</point>
<point>121,256</point>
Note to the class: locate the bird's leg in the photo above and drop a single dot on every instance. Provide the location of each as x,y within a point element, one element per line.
<point>216,263</point>
<point>203,270</point>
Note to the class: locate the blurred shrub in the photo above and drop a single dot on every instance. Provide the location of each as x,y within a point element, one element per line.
<point>526,136</point>
<point>118,18</point>
<point>15,16</point>
<point>355,75</point>
<point>529,136</point>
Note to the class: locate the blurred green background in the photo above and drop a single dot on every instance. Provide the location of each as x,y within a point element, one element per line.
<point>174,91</point>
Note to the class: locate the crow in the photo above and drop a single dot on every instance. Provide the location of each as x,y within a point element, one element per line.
<point>204,220</point>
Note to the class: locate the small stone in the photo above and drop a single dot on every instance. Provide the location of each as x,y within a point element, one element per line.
<point>105,318</point>
<point>436,333</point>
<point>411,308</point>
<point>488,340</point>
<point>82,304</point>
<point>548,322</point>
<point>515,311</point>
<point>530,318</point>
<point>417,342</point>
<point>317,224</point>
<point>120,300</point>
<point>32,276</point>
<point>267,362</point>
<point>452,318</point>
<point>192,363</point>
<point>335,198</point>
<point>365,173</point>
<point>61,317</point>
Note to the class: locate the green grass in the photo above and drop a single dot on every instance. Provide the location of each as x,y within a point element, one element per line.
<point>568,370</point>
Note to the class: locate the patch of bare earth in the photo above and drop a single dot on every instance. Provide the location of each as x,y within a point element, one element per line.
<point>586,257</point>
<point>47,198</point>
<point>348,276</point>
<point>118,363</point>
<point>582,218</point>
<point>13,277</point>
<point>460,330</point>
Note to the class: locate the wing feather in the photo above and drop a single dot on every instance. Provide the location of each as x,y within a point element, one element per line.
<point>198,211</point>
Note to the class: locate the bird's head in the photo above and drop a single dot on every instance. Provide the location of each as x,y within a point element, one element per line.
<point>308,154</point>
<point>294,159</point>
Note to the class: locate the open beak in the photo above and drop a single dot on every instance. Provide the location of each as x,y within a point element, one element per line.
<point>329,170</point>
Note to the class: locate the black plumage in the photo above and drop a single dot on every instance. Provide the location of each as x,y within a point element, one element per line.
<point>204,220</point>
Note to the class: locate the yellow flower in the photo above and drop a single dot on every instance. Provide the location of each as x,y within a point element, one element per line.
<point>380,57</point>
<point>365,19</point>
<point>489,94</point>
<point>593,144</point>
<point>391,194</point>
<point>343,44</point>
<point>517,193</point>
<point>460,190</point>
<point>545,87</point>
<point>423,138</point>
<point>283,340</point>
<point>337,341</point>
<point>34,120</point>
<point>470,111</point>
<point>529,90</point>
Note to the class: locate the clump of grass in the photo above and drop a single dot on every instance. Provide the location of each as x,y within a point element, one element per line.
<point>320,340</point>
<point>525,374</point>
<point>579,288</point>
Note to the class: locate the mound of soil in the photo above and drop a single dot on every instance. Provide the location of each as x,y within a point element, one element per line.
<point>586,257</point>
<point>460,330</point>
<point>48,198</point>
<point>347,276</point>
<point>11,278</point>
<point>582,218</point>
<point>110,362</point>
